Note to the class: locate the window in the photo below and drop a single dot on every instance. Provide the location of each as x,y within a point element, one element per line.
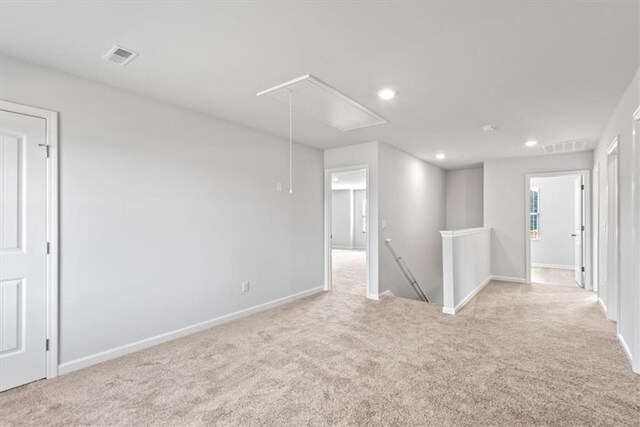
<point>534,213</point>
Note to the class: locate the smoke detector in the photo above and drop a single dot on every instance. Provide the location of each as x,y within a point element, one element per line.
<point>488,128</point>
<point>120,55</point>
<point>564,147</point>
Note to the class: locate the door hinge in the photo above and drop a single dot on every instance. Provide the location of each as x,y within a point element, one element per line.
<point>583,228</point>
<point>582,187</point>
<point>48,248</point>
<point>47,344</point>
<point>582,269</point>
<point>46,149</point>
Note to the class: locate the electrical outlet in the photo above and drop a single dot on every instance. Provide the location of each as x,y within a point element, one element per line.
<point>279,186</point>
<point>245,286</point>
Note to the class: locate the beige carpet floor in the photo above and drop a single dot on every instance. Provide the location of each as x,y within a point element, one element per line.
<point>349,271</point>
<point>515,355</point>
<point>553,276</point>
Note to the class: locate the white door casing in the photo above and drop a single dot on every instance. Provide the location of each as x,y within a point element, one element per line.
<point>635,237</point>
<point>23,249</point>
<point>612,233</point>
<point>578,231</point>
<point>596,229</point>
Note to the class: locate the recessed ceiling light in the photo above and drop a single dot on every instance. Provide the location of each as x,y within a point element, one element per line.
<point>488,128</point>
<point>387,93</point>
<point>531,143</point>
<point>440,156</point>
<point>335,179</point>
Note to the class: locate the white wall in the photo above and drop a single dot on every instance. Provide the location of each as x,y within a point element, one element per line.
<point>346,219</point>
<point>464,198</point>
<point>412,203</point>
<point>341,218</point>
<point>348,196</point>
<point>410,193</point>
<point>359,237</point>
<point>555,247</point>
<point>620,125</point>
<point>467,265</point>
<point>504,205</point>
<point>358,155</point>
<point>164,212</point>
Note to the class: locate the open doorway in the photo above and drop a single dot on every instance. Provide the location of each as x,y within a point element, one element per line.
<point>557,234</point>
<point>349,231</point>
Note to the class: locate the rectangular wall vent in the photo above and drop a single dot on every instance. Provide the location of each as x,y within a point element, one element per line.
<point>324,103</point>
<point>120,55</point>
<point>564,147</point>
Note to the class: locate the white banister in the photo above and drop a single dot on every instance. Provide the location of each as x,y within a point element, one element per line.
<point>466,264</point>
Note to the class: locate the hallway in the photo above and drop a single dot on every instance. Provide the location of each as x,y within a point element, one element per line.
<point>349,271</point>
<point>553,276</point>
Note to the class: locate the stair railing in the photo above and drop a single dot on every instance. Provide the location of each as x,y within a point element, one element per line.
<point>406,272</point>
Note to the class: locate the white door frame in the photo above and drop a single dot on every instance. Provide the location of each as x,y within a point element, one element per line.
<point>635,235</point>
<point>613,286</point>
<point>586,243</point>
<point>51,125</point>
<point>328,225</point>
<point>595,229</point>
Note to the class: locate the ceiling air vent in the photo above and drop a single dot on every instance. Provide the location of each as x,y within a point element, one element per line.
<point>564,147</point>
<point>120,55</point>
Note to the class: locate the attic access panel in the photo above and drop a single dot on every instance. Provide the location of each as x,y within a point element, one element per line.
<point>324,103</point>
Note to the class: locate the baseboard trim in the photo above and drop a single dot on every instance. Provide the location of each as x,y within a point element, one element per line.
<point>385,294</point>
<point>557,266</point>
<point>626,349</point>
<point>103,356</point>
<point>509,279</point>
<point>449,310</point>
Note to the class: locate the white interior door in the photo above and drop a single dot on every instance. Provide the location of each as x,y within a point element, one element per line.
<point>578,232</point>
<point>23,249</point>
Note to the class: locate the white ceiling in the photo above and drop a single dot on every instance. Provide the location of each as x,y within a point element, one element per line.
<point>355,180</point>
<point>552,71</point>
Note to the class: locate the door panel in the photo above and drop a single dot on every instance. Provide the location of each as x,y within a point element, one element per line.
<point>10,227</point>
<point>12,312</point>
<point>22,249</point>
